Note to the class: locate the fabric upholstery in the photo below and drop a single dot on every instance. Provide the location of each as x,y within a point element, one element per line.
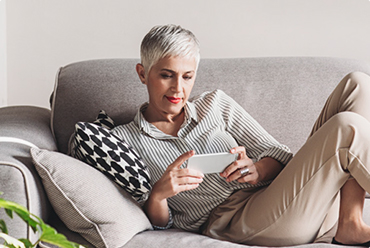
<point>28,123</point>
<point>284,94</point>
<point>87,201</point>
<point>178,239</point>
<point>14,172</point>
<point>19,180</point>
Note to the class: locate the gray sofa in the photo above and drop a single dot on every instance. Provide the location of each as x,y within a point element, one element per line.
<point>284,94</point>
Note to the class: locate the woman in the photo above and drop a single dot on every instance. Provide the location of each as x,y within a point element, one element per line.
<point>266,197</point>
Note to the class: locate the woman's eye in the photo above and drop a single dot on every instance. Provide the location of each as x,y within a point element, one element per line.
<point>166,76</point>
<point>187,77</point>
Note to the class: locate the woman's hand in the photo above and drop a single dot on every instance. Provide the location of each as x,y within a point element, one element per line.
<point>263,170</point>
<point>173,181</point>
<point>235,170</point>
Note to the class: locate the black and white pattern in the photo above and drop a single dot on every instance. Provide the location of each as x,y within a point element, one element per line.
<point>93,144</point>
<point>104,120</point>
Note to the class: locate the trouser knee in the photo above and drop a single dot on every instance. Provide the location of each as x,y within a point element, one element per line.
<point>358,80</point>
<point>349,122</point>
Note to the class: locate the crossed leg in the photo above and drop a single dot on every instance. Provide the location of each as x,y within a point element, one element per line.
<point>336,158</point>
<point>352,94</point>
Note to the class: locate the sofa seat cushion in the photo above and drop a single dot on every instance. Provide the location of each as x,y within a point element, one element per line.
<point>87,201</point>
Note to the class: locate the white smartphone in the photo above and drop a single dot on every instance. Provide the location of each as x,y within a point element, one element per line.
<point>212,162</point>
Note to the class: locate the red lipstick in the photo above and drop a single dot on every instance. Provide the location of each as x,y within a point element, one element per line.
<point>174,100</point>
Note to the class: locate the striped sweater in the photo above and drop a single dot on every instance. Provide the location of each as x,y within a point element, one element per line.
<point>213,123</point>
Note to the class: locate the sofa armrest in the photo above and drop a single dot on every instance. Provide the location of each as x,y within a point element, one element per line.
<point>22,127</point>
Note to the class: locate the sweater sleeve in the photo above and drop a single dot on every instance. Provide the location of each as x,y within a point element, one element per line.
<point>249,133</point>
<point>169,224</point>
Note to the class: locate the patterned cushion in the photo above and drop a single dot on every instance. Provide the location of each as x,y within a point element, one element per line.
<point>93,144</point>
<point>104,120</point>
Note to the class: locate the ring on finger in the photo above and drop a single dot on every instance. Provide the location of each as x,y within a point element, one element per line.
<point>244,171</point>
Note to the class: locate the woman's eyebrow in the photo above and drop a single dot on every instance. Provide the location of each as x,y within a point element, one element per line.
<point>168,70</point>
<point>172,71</point>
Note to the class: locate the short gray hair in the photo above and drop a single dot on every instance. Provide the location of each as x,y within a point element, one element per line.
<point>168,40</point>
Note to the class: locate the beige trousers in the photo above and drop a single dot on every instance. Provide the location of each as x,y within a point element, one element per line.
<point>295,208</point>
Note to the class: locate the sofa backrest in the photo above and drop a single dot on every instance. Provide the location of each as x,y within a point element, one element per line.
<point>284,94</point>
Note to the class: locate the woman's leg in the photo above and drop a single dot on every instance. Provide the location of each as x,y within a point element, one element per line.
<point>291,210</point>
<point>351,227</point>
<point>351,94</point>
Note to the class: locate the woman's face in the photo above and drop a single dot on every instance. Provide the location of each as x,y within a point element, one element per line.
<point>169,84</point>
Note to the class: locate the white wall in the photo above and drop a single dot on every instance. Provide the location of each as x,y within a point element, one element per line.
<point>43,35</point>
<point>3,80</point>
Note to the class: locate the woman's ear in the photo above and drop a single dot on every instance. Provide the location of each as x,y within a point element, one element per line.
<point>141,72</point>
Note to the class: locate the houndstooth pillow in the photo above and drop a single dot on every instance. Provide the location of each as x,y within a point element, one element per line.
<point>93,144</point>
<point>104,120</point>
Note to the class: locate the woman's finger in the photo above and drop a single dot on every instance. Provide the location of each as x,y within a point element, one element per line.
<point>186,187</point>
<point>240,150</point>
<point>180,160</point>
<point>240,175</point>
<point>187,172</point>
<point>238,164</point>
<point>189,180</point>
<point>249,178</point>
<point>231,169</point>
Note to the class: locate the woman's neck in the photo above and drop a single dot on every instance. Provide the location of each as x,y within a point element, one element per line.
<point>168,124</point>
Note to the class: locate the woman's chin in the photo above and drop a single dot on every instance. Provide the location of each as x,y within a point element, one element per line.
<point>175,110</point>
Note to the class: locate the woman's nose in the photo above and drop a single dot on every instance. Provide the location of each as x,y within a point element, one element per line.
<point>177,85</point>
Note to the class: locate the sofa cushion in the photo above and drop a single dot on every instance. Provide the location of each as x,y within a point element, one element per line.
<point>285,95</point>
<point>87,201</point>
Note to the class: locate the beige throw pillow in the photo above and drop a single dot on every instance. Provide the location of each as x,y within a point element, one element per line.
<point>87,201</point>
